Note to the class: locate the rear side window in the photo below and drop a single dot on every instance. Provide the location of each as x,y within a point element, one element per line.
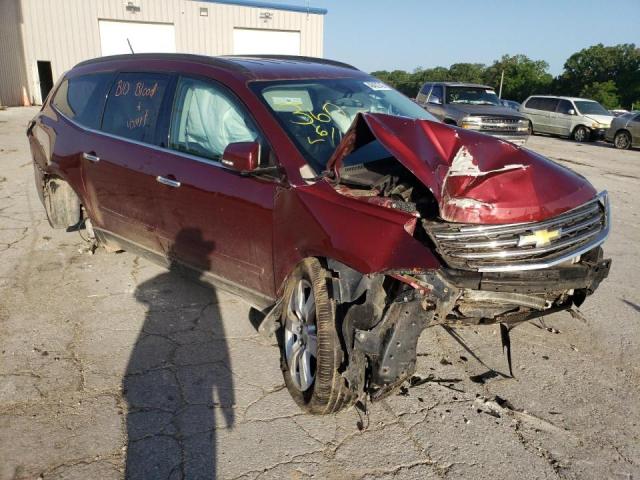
<point>548,104</point>
<point>133,105</point>
<point>82,98</point>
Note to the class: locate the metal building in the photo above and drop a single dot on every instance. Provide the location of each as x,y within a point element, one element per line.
<point>41,39</point>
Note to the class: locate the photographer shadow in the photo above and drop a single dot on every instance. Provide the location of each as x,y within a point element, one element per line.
<point>178,383</point>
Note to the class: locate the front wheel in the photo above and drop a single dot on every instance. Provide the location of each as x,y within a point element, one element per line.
<point>622,140</point>
<point>581,134</point>
<point>311,353</point>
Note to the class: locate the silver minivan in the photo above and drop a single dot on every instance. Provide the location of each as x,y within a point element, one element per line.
<point>578,118</point>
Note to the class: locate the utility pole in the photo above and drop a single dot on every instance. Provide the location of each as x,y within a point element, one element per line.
<point>501,80</point>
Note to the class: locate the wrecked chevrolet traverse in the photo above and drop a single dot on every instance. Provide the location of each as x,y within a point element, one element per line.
<point>335,205</point>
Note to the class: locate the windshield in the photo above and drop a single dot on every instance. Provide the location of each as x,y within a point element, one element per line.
<point>472,95</point>
<point>591,108</point>
<point>317,113</point>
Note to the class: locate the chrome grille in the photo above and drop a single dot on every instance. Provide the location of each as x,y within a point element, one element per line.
<point>500,120</point>
<point>497,124</point>
<point>523,246</point>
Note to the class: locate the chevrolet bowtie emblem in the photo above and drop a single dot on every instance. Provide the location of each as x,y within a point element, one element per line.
<point>539,238</point>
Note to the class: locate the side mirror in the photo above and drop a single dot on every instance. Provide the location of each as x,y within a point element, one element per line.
<point>242,156</point>
<point>435,100</point>
<point>571,111</point>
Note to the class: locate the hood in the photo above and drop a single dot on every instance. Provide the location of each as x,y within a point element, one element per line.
<point>484,110</point>
<point>475,178</point>
<point>604,119</point>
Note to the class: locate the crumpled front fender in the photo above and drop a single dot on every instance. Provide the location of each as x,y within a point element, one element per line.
<point>314,220</point>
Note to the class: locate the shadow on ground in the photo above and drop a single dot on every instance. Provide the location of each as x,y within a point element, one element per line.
<point>178,381</point>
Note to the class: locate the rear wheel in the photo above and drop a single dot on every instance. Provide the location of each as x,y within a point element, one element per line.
<point>581,134</point>
<point>310,348</point>
<point>61,203</point>
<point>622,140</point>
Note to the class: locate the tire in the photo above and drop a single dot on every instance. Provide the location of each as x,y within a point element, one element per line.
<point>581,134</point>
<point>61,203</point>
<point>622,140</point>
<point>530,129</point>
<point>308,311</point>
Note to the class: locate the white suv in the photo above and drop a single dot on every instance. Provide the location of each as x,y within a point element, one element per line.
<point>578,118</point>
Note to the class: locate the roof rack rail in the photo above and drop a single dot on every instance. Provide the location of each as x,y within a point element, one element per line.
<point>211,60</point>
<point>324,61</point>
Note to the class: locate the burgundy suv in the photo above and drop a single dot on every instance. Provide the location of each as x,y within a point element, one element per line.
<point>328,200</point>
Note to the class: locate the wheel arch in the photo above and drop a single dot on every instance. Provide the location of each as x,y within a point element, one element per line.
<point>62,203</point>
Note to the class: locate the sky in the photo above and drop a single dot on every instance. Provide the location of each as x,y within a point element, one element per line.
<point>405,34</point>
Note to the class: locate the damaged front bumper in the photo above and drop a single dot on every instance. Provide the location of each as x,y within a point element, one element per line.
<point>495,274</point>
<point>381,335</point>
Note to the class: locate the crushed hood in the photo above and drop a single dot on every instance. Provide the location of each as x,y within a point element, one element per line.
<point>475,178</point>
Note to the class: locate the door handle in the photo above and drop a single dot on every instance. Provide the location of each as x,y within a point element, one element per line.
<point>168,181</point>
<point>91,157</point>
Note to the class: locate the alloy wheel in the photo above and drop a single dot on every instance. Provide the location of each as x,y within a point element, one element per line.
<point>622,141</point>
<point>581,134</point>
<point>300,336</point>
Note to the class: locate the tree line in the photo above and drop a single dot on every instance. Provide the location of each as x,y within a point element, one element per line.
<point>608,74</point>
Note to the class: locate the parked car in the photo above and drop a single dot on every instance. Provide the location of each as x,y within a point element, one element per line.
<point>578,118</point>
<point>624,131</point>
<point>473,107</point>
<point>328,200</point>
<point>510,104</point>
<point>617,112</point>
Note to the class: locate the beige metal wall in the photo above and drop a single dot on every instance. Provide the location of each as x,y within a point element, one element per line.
<point>13,75</point>
<point>66,32</point>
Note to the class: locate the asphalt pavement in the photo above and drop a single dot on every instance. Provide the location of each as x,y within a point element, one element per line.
<point>111,365</point>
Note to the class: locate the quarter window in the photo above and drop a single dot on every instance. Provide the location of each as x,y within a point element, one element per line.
<point>82,98</point>
<point>134,104</point>
<point>206,119</point>
<point>533,103</point>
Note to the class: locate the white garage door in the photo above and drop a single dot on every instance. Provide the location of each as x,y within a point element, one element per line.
<point>276,42</point>
<point>144,37</point>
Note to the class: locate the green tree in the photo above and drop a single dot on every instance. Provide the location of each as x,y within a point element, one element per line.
<point>400,80</point>
<point>600,64</point>
<point>467,72</point>
<point>604,92</point>
<point>522,76</point>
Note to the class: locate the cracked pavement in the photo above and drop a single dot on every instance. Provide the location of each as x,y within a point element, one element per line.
<point>113,366</point>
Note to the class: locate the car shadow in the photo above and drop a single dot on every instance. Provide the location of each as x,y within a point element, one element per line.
<point>178,382</point>
<point>591,143</point>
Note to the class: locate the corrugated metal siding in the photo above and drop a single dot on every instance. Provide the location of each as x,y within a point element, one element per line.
<point>13,74</point>
<point>66,32</point>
